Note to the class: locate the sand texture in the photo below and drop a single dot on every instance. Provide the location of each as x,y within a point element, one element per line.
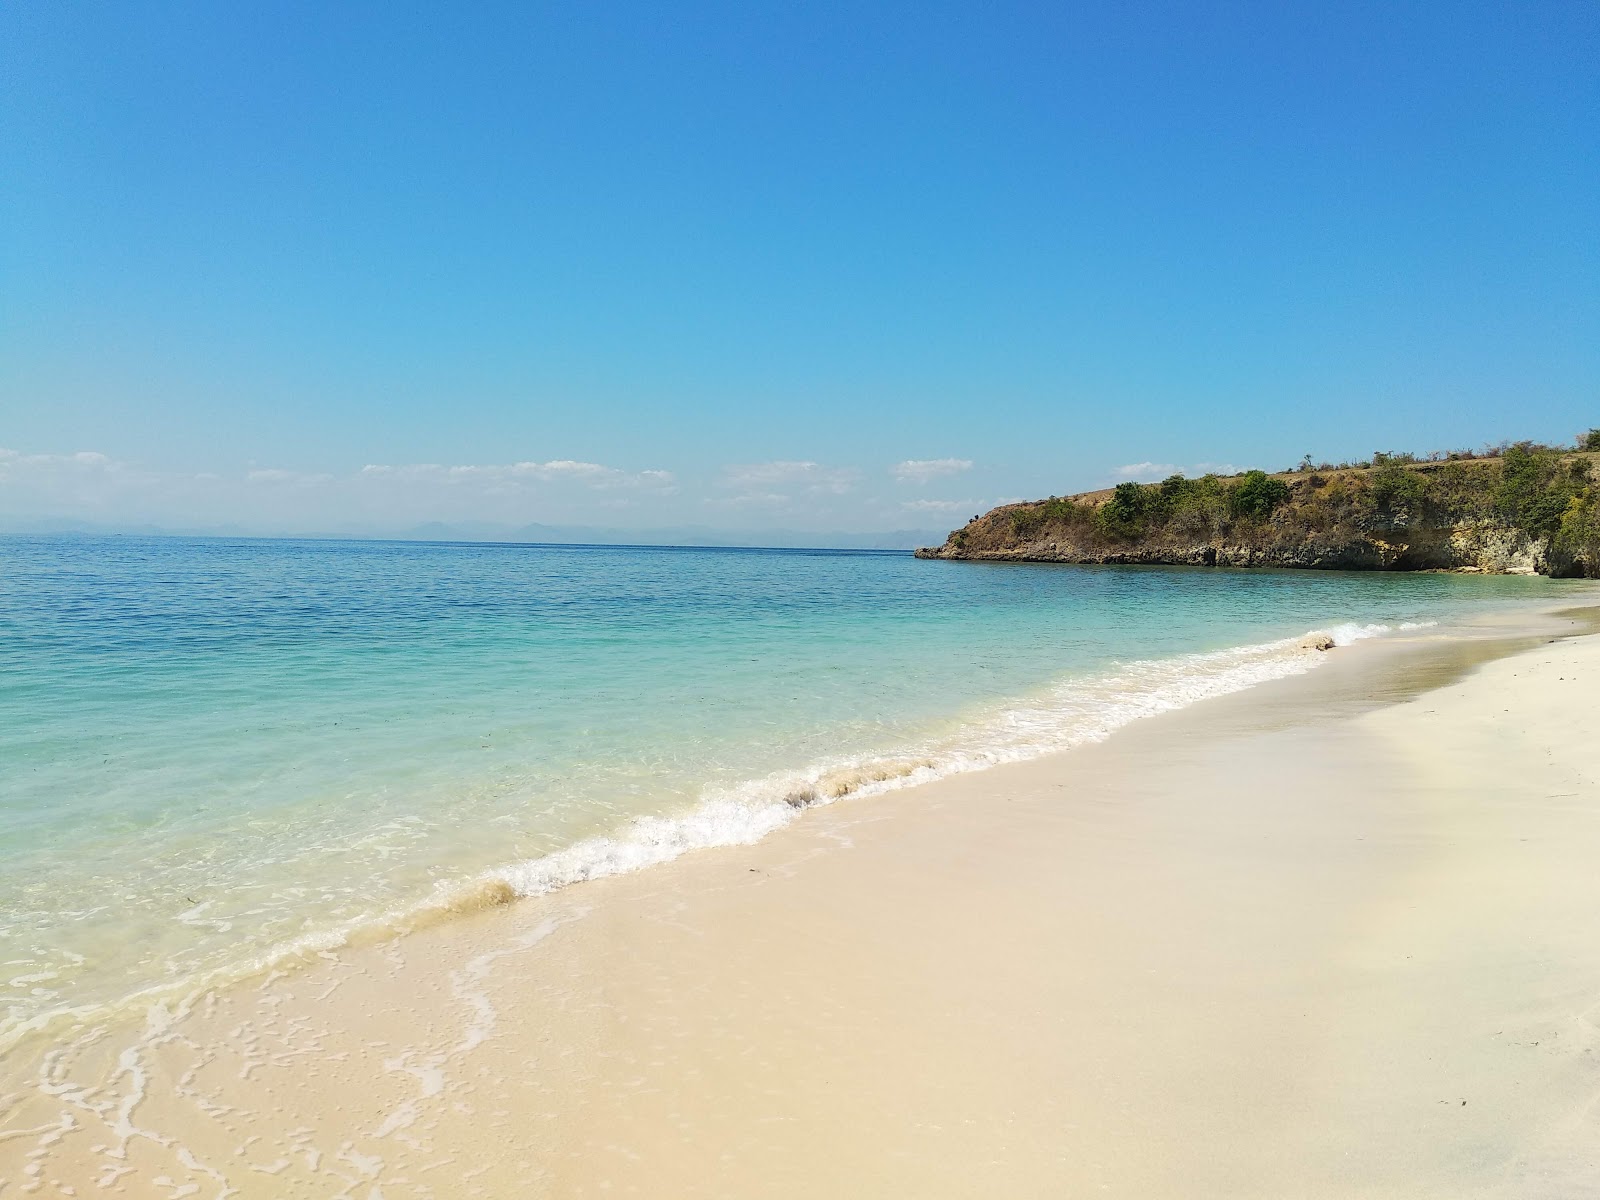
<point>1338,936</point>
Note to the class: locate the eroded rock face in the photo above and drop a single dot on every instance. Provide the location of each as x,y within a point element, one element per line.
<point>1484,548</point>
<point>1497,550</point>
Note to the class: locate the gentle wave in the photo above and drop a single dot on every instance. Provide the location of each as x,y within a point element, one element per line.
<point>1073,713</point>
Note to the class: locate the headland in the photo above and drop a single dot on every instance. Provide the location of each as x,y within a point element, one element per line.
<point>1517,509</point>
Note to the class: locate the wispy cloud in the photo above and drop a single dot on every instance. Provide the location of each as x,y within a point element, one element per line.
<point>940,506</point>
<point>1153,472</point>
<point>93,486</point>
<point>86,482</point>
<point>89,459</point>
<point>921,470</point>
<point>589,474</point>
<point>1145,472</point>
<point>20,470</point>
<point>809,477</point>
<point>750,499</point>
<point>277,496</point>
<point>277,475</point>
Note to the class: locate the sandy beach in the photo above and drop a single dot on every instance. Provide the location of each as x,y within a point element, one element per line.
<point>1330,937</point>
<point>802,602</point>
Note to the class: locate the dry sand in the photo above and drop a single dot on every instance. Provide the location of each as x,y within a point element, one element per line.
<point>1338,936</point>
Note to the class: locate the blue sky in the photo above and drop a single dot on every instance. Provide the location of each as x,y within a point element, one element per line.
<point>734,265</point>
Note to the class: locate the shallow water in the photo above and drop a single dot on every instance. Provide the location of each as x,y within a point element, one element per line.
<point>214,752</point>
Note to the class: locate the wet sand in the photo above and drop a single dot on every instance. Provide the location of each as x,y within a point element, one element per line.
<point>1331,937</point>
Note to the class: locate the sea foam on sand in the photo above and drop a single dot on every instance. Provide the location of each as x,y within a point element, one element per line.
<point>1072,713</point>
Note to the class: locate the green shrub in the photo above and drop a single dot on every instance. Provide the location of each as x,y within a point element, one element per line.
<point>1458,492</point>
<point>1057,512</point>
<point>1126,513</point>
<point>1257,496</point>
<point>1025,522</point>
<point>1397,491</point>
<point>1174,490</point>
<point>1061,511</point>
<point>1590,440</point>
<point>1195,507</point>
<point>1534,489</point>
<point>1578,536</point>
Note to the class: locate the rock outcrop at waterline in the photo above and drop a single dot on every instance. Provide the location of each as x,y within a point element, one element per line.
<point>1531,510</point>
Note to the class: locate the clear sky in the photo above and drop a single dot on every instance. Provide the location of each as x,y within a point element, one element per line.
<point>816,266</point>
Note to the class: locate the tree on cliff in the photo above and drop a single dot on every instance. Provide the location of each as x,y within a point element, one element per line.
<point>1258,495</point>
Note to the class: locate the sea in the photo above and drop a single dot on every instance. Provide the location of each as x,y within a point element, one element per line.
<point>218,756</point>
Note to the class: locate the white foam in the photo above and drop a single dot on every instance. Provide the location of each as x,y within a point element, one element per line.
<point>1345,634</point>
<point>1071,714</point>
<point>648,841</point>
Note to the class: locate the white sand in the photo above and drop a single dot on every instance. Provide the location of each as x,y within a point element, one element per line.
<point>1285,944</point>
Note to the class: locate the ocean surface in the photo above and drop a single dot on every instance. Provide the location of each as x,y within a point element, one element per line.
<point>217,755</point>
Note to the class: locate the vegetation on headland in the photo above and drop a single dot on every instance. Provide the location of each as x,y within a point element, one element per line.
<point>1520,507</point>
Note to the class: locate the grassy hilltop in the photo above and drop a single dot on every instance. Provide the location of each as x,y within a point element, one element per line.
<point>1520,507</point>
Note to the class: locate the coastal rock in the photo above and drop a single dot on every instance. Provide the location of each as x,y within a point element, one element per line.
<point>1431,516</point>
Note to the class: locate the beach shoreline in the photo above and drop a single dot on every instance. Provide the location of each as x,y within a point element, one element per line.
<point>1232,950</point>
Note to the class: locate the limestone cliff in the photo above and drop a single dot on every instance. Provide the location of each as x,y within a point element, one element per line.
<point>1530,510</point>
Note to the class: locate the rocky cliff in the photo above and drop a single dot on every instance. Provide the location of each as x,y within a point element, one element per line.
<point>1529,510</point>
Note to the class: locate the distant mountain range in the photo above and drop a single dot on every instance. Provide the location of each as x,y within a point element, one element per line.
<point>480,531</point>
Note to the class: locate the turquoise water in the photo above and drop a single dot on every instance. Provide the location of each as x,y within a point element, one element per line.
<point>214,753</point>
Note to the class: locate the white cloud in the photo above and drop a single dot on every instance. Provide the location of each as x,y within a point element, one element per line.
<point>86,482</point>
<point>1152,472</point>
<point>920,470</point>
<point>812,478</point>
<point>560,469</point>
<point>88,485</point>
<point>278,475</point>
<point>751,499</point>
<point>82,459</point>
<point>941,506</point>
<point>1145,472</point>
<point>277,497</point>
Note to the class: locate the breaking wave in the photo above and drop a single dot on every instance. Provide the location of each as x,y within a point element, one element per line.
<point>1072,713</point>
